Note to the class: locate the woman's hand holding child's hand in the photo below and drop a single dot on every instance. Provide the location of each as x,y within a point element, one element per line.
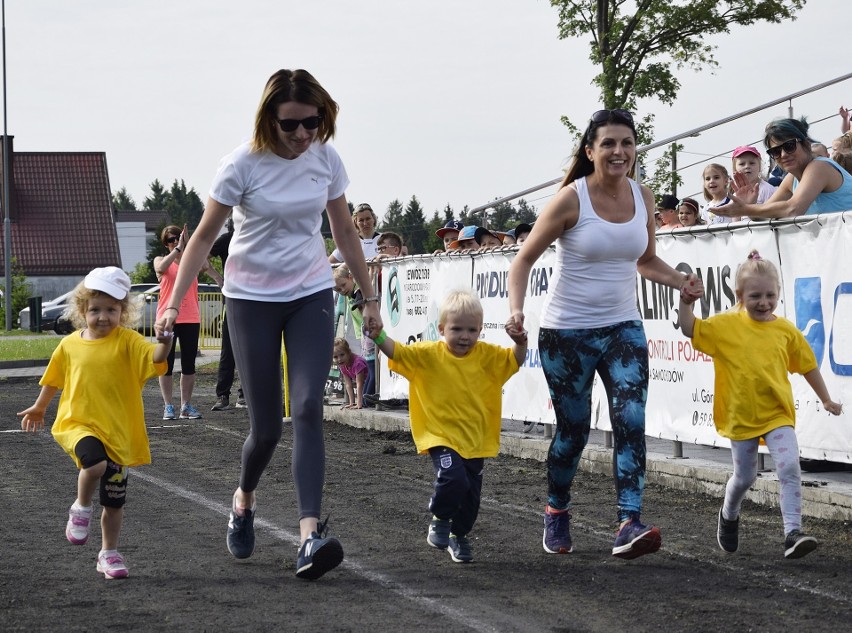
<point>692,289</point>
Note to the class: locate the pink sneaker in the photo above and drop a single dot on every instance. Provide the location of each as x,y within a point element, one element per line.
<point>77,528</point>
<point>111,565</point>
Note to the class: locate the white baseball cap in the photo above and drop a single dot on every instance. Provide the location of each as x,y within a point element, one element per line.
<point>111,280</point>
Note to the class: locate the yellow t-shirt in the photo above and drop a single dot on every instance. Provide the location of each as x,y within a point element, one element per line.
<point>751,358</point>
<point>101,383</point>
<point>455,402</point>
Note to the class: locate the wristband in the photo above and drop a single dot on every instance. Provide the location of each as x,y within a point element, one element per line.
<point>177,249</point>
<point>373,298</point>
<point>177,312</point>
<point>381,338</point>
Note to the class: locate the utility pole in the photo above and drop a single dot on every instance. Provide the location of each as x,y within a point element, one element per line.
<point>7,219</point>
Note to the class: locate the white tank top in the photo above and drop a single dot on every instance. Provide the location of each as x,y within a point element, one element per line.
<point>595,281</point>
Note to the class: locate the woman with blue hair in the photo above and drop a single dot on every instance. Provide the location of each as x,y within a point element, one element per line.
<point>813,184</point>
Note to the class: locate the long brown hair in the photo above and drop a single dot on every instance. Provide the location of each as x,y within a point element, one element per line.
<point>580,165</point>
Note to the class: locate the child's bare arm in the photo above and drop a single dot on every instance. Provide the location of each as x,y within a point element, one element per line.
<point>815,380</point>
<point>347,385</point>
<point>520,346</point>
<point>685,315</point>
<point>33,418</point>
<point>360,378</point>
<point>164,343</point>
<point>381,338</point>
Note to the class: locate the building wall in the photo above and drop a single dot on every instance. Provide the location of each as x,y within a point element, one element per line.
<point>132,243</point>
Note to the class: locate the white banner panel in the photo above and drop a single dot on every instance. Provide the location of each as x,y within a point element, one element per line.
<point>817,280</point>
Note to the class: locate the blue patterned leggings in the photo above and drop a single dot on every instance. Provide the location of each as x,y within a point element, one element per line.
<point>570,358</point>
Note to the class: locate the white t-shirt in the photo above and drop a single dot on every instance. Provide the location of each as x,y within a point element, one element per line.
<point>368,246</point>
<point>277,252</point>
<point>595,283</point>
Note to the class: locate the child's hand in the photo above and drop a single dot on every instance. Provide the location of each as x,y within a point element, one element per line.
<point>833,407</point>
<point>692,289</point>
<point>161,335</point>
<point>33,419</point>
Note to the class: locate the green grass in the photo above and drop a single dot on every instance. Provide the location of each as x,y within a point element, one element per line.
<point>12,347</point>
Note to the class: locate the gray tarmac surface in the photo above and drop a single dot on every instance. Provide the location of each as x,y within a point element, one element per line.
<point>183,579</point>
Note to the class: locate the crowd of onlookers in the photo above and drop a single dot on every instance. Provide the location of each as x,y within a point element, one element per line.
<point>746,165</point>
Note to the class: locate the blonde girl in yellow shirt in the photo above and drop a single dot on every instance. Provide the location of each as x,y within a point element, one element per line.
<point>101,369</point>
<point>753,350</point>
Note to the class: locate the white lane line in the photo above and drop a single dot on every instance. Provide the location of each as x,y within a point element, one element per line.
<point>409,593</point>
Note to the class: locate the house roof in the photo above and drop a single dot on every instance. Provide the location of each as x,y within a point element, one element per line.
<point>153,219</point>
<point>61,210</point>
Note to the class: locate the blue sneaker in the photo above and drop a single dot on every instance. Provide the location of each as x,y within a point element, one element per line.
<point>169,412</point>
<point>241,532</point>
<point>460,549</point>
<point>188,412</point>
<point>635,539</point>
<point>557,533</point>
<point>318,554</point>
<point>439,533</point>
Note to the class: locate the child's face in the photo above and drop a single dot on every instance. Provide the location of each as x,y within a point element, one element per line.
<point>340,356</point>
<point>344,286</point>
<point>449,238</point>
<point>759,296</point>
<point>715,183</point>
<point>687,215</point>
<point>489,241</point>
<point>388,250</point>
<point>103,315</point>
<point>461,332</point>
<point>748,164</point>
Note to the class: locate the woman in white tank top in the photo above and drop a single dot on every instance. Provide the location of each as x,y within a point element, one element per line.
<point>603,226</point>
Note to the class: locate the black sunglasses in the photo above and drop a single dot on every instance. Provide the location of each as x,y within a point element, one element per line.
<point>290,125</point>
<point>602,116</point>
<point>172,239</point>
<point>788,146</point>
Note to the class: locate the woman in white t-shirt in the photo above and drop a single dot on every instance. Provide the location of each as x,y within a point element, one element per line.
<point>278,283</point>
<point>603,224</point>
<point>365,221</point>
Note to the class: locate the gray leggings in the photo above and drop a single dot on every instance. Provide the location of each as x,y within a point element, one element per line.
<point>256,329</point>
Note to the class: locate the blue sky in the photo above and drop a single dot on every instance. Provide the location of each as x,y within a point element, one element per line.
<point>454,101</point>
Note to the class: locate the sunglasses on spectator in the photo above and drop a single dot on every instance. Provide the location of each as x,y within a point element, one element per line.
<point>602,116</point>
<point>172,239</point>
<point>290,125</point>
<point>788,146</point>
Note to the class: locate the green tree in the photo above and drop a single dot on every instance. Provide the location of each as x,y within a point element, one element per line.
<point>638,51</point>
<point>665,178</point>
<point>414,234</point>
<point>158,198</point>
<point>394,219</point>
<point>21,292</point>
<point>123,201</point>
<point>184,205</point>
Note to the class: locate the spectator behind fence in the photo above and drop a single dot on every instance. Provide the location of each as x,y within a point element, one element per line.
<point>101,370</point>
<point>187,322</point>
<point>353,371</point>
<point>845,125</point>
<point>227,364</point>
<point>347,289</point>
<point>449,233</point>
<point>365,220</point>
<point>746,160</point>
<point>278,285</point>
<point>389,245</point>
<point>487,239</point>
<point>844,141</point>
<point>465,241</point>
<point>844,159</point>
<point>716,184</point>
<point>603,225</point>
<point>458,434</point>
<point>818,149</point>
<point>688,213</point>
<point>812,185</point>
<point>752,350</point>
<point>668,212</point>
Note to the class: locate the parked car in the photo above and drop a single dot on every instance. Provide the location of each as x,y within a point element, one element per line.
<point>53,312</point>
<point>209,305</point>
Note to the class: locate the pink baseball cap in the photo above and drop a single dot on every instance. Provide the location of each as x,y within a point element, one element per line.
<point>743,149</point>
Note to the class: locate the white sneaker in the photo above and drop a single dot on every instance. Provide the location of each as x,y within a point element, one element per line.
<point>77,528</point>
<point>111,565</point>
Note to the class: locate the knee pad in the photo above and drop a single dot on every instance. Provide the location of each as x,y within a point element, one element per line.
<point>114,485</point>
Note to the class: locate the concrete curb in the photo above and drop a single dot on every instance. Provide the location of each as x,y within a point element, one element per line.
<point>820,499</point>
